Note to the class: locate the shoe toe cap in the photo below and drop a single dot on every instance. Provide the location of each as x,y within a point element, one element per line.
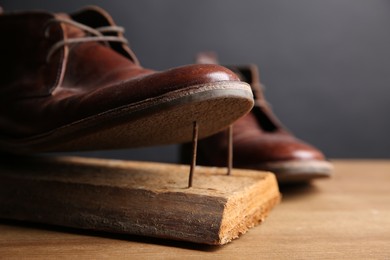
<point>199,74</point>
<point>276,148</point>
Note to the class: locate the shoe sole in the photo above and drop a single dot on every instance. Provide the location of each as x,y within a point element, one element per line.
<point>298,171</point>
<point>161,120</point>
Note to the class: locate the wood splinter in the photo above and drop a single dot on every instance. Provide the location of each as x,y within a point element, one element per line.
<point>194,149</point>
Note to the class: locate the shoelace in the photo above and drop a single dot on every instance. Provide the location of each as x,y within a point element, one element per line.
<point>95,35</point>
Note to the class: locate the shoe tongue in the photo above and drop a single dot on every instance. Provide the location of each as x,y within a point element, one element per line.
<point>70,31</point>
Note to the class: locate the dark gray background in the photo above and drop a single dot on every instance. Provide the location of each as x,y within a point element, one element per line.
<point>325,64</point>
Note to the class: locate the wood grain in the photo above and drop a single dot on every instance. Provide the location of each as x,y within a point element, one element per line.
<point>139,198</point>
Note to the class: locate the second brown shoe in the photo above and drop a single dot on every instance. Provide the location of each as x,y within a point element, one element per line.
<point>260,141</point>
<point>70,82</point>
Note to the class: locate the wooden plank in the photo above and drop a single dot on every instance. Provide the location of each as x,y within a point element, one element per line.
<point>141,198</point>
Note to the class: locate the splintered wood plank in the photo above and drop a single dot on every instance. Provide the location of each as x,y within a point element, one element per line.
<point>142,198</point>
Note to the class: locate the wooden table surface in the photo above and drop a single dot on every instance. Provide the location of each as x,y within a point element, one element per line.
<point>346,217</point>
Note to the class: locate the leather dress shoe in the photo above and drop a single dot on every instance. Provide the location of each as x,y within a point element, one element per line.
<point>70,83</point>
<point>260,141</point>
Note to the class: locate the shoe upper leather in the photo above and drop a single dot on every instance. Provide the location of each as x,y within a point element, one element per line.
<point>258,137</point>
<point>40,93</point>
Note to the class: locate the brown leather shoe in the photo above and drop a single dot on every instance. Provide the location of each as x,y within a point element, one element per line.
<point>70,82</point>
<point>260,141</point>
